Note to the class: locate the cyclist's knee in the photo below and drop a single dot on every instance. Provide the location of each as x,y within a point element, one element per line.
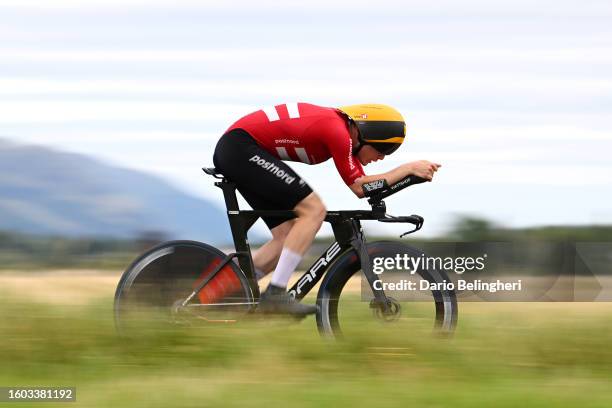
<point>312,207</point>
<point>321,212</point>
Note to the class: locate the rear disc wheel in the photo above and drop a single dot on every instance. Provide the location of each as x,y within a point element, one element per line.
<point>157,283</point>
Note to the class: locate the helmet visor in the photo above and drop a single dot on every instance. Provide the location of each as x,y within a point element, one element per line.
<point>385,148</point>
<point>384,136</point>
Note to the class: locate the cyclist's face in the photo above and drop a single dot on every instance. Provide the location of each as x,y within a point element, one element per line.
<point>368,154</point>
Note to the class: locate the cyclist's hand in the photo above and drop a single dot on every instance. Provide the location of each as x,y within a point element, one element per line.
<point>423,168</point>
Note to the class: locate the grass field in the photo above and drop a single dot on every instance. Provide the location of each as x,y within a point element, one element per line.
<point>59,332</point>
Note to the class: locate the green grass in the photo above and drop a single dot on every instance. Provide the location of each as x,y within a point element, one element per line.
<point>502,355</point>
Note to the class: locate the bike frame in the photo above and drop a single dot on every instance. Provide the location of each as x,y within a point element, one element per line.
<point>346,226</point>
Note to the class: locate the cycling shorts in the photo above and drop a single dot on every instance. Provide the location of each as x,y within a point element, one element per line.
<point>265,182</point>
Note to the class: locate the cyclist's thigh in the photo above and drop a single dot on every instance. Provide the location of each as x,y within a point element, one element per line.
<point>266,182</point>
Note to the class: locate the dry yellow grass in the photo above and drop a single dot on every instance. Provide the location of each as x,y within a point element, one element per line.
<point>80,287</point>
<point>72,287</point>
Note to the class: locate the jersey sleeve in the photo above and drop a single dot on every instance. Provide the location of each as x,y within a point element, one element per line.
<point>340,146</point>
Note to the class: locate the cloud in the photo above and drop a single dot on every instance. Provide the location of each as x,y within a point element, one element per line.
<point>68,111</point>
<point>514,97</point>
<point>481,7</point>
<point>407,51</point>
<point>452,84</point>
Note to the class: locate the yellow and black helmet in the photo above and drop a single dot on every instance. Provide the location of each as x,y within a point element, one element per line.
<point>380,126</point>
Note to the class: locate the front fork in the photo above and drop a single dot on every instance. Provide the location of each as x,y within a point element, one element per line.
<point>358,243</point>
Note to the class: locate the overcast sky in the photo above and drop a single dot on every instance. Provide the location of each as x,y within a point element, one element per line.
<point>513,98</point>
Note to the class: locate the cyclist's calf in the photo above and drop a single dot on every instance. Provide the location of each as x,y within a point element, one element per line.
<point>266,257</point>
<point>297,234</point>
<point>280,232</point>
<point>310,213</point>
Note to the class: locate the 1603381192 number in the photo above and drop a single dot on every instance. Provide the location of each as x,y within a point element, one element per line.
<point>64,394</point>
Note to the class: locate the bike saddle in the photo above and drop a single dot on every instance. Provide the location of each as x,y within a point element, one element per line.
<point>212,171</point>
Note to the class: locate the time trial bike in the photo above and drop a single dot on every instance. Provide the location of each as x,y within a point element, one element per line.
<point>176,277</point>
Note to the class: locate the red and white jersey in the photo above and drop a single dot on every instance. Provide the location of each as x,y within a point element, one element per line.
<point>306,133</point>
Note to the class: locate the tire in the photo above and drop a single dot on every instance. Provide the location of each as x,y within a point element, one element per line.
<point>343,309</point>
<point>156,282</point>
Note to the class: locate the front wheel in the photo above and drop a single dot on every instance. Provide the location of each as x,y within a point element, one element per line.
<point>156,284</point>
<point>347,306</point>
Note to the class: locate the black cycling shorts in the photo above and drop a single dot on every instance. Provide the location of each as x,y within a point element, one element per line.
<point>265,182</point>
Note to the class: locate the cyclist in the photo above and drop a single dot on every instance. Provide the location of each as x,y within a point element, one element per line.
<point>252,154</point>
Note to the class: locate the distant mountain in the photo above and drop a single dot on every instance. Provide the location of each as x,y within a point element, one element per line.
<point>47,192</point>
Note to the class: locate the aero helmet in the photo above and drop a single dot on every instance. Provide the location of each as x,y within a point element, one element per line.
<point>380,126</point>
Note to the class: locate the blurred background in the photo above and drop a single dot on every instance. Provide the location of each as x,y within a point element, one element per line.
<point>109,109</point>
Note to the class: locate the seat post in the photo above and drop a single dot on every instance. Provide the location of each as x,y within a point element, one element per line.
<point>239,229</point>
<point>229,194</point>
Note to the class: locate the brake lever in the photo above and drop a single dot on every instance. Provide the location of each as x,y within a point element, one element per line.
<point>416,228</point>
<point>413,219</point>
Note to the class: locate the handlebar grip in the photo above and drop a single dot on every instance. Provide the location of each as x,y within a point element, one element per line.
<point>407,181</point>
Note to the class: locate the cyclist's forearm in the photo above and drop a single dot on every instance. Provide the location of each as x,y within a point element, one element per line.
<point>392,177</point>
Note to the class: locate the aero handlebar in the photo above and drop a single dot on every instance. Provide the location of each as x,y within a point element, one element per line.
<point>379,189</point>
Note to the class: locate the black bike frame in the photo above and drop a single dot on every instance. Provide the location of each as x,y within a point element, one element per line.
<point>347,230</point>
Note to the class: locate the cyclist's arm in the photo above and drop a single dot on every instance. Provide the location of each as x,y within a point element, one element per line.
<point>421,168</point>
